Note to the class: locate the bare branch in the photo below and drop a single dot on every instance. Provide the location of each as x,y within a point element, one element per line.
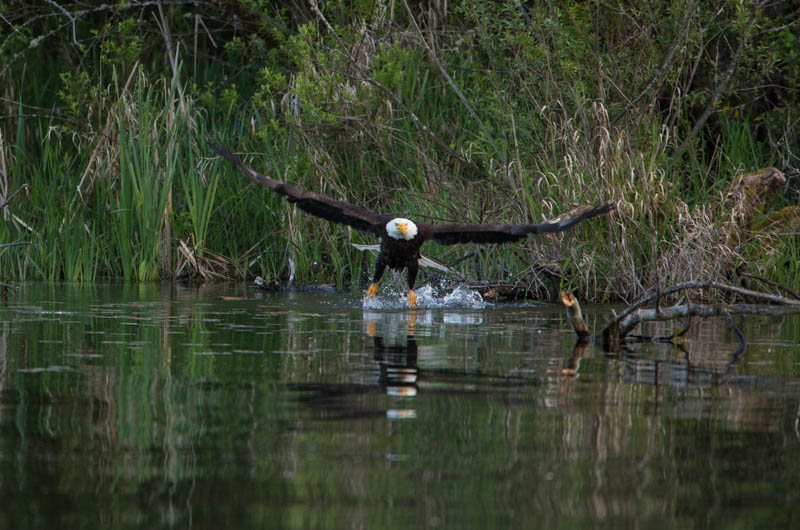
<point>11,198</point>
<point>702,310</point>
<point>778,286</point>
<point>736,332</point>
<point>770,298</point>
<point>575,315</point>
<point>70,17</point>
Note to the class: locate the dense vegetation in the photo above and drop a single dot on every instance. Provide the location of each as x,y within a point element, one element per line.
<point>473,110</point>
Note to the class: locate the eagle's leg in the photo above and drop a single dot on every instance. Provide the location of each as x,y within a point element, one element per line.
<point>412,298</point>
<point>413,269</point>
<point>380,266</point>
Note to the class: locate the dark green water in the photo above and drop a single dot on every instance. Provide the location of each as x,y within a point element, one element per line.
<point>162,406</point>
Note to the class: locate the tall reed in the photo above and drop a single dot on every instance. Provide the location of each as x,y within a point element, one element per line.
<point>148,158</point>
<point>200,183</point>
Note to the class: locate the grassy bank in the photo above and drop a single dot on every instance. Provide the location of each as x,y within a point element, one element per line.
<point>474,111</point>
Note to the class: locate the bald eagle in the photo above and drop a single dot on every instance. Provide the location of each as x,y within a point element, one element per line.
<point>402,238</point>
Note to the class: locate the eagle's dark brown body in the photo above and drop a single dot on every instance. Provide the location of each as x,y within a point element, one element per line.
<point>399,254</point>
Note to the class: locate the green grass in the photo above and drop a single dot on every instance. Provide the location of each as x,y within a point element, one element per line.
<point>157,191</point>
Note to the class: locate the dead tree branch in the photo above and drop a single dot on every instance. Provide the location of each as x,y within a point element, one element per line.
<point>768,298</point>
<point>776,285</point>
<point>700,310</point>
<point>619,328</point>
<point>575,316</point>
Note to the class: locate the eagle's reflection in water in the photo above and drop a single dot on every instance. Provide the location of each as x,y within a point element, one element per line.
<point>395,352</point>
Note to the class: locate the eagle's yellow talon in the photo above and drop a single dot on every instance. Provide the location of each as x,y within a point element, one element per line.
<point>372,290</point>
<point>412,298</point>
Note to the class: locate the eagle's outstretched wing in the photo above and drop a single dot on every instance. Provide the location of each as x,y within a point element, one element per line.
<point>315,203</point>
<point>453,233</point>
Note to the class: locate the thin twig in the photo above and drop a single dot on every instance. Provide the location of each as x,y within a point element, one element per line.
<point>15,244</point>
<point>792,292</point>
<point>11,198</point>
<point>70,17</point>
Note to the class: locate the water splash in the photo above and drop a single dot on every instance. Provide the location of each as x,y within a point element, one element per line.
<point>427,298</point>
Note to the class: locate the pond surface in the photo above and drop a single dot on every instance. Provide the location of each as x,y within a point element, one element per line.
<point>163,406</point>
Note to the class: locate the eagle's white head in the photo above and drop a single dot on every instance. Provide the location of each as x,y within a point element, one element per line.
<point>401,228</point>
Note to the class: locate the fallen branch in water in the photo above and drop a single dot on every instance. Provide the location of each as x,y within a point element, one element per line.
<point>618,330</point>
<point>766,297</point>
<point>698,310</point>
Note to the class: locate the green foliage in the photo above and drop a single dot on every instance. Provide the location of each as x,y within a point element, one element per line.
<point>545,105</point>
<point>121,43</point>
<point>390,64</point>
<point>147,159</point>
<point>271,84</point>
<point>77,93</point>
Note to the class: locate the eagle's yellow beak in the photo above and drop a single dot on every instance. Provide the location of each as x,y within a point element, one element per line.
<point>402,227</point>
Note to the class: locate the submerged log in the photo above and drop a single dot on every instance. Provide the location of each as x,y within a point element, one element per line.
<point>618,330</point>
<point>747,293</point>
